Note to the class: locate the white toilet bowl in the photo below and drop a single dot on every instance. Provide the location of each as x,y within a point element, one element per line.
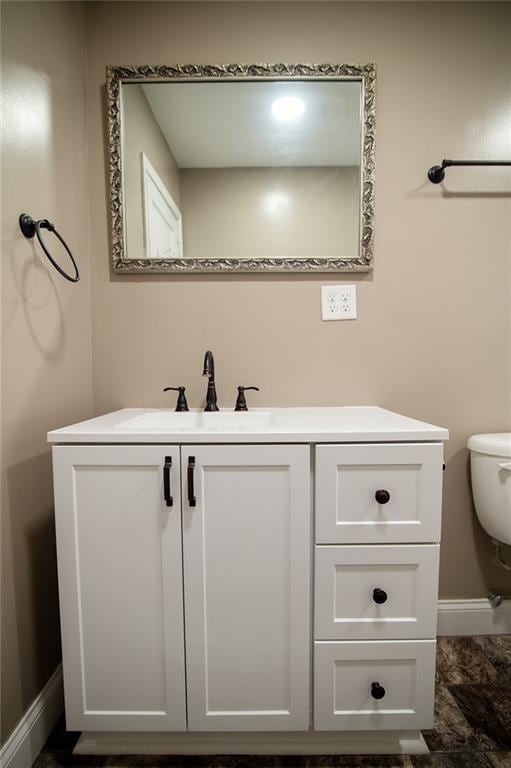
<point>490,463</point>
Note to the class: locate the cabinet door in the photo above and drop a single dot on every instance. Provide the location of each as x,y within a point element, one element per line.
<point>120,582</point>
<point>378,494</point>
<point>247,545</point>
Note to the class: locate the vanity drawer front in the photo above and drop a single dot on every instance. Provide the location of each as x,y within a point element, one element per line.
<point>376,592</point>
<point>378,493</point>
<point>349,675</point>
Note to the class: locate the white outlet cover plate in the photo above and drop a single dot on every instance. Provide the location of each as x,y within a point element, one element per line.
<point>338,302</point>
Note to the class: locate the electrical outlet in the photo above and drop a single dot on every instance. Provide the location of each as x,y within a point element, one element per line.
<point>338,302</point>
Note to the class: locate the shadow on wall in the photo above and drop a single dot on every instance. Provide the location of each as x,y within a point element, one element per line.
<point>426,190</point>
<point>34,586</point>
<point>38,294</point>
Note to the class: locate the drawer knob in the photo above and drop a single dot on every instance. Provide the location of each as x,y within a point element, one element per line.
<point>379,596</point>
<point>382,496</point>
<point>377,691</point>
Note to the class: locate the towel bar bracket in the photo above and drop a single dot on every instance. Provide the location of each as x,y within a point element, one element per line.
<point>436,173</point>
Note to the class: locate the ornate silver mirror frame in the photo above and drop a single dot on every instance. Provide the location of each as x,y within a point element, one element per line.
<point>366,74</point>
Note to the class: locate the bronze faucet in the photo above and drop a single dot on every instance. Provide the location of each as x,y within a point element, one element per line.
<point>209,370</point>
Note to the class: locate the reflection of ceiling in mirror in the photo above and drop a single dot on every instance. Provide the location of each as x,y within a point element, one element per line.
<point>225,125</point>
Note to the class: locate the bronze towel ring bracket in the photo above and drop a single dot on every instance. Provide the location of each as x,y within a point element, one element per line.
<point>29,227</point>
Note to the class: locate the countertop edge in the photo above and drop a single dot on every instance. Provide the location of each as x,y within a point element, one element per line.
<point>439,436</point>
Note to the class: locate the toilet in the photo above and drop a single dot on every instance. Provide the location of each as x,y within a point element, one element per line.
<point>490,463</point>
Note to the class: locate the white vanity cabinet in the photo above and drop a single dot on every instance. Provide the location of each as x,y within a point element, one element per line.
<point>376,579</point>
<point>119,551</point>
<point>243,517</point>
<point>247,555</point>
<point>188,556</point>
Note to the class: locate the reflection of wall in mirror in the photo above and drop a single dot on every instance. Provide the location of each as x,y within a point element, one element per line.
<point>142,135</point>
<point>271,212</point>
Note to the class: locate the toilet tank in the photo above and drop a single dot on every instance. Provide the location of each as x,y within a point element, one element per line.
<point>490,464</point>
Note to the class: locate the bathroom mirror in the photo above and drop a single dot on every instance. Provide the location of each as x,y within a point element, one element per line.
<point>242,168</point>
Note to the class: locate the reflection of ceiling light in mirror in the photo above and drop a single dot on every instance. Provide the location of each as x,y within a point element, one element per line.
<point>276,203</point>
<point>288,108</point>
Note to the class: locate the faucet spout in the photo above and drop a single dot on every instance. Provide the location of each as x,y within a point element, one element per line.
<point>209,364</point>
<point>209,370</point>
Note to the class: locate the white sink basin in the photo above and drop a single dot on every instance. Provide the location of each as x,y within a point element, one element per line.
<point>194,420</point>
<point>237,420</point>
<point>163,420</point>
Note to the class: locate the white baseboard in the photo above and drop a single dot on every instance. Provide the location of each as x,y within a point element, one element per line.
<point>28,738</point>
<point>274,743</point>
<point>473,617</point>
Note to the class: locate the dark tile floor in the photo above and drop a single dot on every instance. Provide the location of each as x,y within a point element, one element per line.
<point>472,723</point>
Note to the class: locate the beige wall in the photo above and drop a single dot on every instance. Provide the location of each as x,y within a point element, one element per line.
<point>433,335</point>
<point>249,213</point>
<point>142,134</point>
<point>46,354</point>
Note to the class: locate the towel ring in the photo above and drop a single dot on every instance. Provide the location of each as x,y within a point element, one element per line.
<point>29,227</point>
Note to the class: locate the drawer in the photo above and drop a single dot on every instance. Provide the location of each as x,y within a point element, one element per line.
<point>376,592</point>
<point>378,493</point>
<point>348,676</point>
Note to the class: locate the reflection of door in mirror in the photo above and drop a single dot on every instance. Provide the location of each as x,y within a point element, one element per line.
<point>162,217</point>
<point>151,183</point>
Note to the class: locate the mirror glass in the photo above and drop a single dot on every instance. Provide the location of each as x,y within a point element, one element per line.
<point>241,174</point>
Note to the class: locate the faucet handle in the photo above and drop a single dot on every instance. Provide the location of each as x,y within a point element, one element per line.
<point>241,403</point>
<point>181,404</point>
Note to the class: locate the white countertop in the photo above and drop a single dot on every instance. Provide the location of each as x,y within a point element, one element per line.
<point>348,424</point>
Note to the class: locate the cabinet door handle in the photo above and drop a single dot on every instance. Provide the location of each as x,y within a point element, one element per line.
<point>192,501</point>
<point>382,496</point>
<point>166,481</point>
<point>379,596</point>
<point>377,691</point>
